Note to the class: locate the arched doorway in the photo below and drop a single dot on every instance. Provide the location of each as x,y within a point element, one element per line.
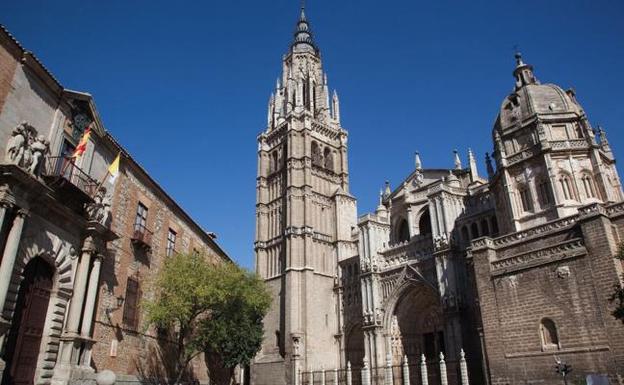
<point>417,325</point>
<point>24,340</point>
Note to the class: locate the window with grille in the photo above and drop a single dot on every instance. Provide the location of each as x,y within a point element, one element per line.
<point>131,303</point>
<point>171,240</point>
<point>140,221</point>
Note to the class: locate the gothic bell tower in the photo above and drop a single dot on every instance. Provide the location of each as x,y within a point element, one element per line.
<point>304,217</point>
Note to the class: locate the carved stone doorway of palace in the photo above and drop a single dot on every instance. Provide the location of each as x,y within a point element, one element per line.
<point>24,341</point>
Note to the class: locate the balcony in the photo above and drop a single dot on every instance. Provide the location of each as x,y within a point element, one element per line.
<point>141,237</point>
<point>71,183</point>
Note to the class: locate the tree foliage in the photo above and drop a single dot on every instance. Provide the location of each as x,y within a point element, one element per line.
<point>216,309</point>
<point>618,292</point>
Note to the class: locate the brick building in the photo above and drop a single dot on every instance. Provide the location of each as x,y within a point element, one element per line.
<point>511,271</point>
<point>77,250</point>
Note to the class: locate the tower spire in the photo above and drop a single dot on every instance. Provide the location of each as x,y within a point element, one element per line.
<point>303,40</point>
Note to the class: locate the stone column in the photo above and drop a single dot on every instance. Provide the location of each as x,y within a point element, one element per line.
<point>9,255</point>
<point>406,379</point>
<point>366,375</point>
<point>8,263</point>
<point>388,372</point>
<point>423,371</point>
<point>94,283</point>
<point>71,335</point>
<point>80,286</point>
<point>463,368</point>
<point>443,374</point>
<point>335,376</point>
<point>349,374</point>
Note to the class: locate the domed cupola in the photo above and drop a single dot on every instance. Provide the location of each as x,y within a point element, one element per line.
<point>548,161</point>
<point>531,99</point>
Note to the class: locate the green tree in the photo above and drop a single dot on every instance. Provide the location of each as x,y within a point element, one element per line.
<point>618,292</point>
<point>216,309</point>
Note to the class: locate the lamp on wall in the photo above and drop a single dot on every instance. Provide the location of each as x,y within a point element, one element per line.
<point>119,300</point>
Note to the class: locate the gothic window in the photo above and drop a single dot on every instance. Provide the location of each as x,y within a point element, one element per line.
<point>485,228</point>
<point>543,190</point>
<point>464,233</point>
<point>274,161</point>
<point>131,303</point>
<point>588,186</point>
<point>548,334</point>
<point>316,154</point>
<point>494,226</point>
<point>525,198</point>
<point>403,231</point>
<point>329,159</point>
<point>424,223</point>
<point>566,187</point>
<point>475,230</point>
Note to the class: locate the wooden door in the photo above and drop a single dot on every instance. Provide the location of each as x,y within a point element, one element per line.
<point>27,330</point>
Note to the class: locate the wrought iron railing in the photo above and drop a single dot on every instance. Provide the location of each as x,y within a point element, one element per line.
<point>66,168</point>
<point>142,235</point>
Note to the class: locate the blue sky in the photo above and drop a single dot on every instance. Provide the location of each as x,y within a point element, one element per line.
<point>184,85</point>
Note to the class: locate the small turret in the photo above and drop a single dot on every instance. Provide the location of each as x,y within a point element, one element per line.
<point>458,162</point>
<point>523,73</point>
<point>488,165</point>
<point>472,163</point>
<point>417,161</point>
<point>336,107</point>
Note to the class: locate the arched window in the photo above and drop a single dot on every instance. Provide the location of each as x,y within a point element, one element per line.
<point>548,334</point>
<point>403,231</point>
<point>485,228</point>
<point>474,229</point>
<point>424,223</point>
<point>275,161</point>
<point>329,159</point>
<point>588,186</point>
<point>464,233</point>
<point>565,184</point>
<point>494,226</point>
<point>543,190</point>
<point>526,200</point>
<point>316,154</point>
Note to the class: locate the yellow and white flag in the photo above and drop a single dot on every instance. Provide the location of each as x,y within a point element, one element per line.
<point>113,169</point>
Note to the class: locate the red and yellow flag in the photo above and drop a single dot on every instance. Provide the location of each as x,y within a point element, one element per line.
<point>82,145</point>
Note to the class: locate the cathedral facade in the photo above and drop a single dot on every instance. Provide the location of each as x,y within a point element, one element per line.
<point>511,270</point>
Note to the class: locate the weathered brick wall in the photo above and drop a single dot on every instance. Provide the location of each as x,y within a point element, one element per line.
<point>9,59</point>
<point>137,348</point>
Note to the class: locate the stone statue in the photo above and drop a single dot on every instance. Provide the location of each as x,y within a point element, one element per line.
<point>38,150</point>
<point>17,144</point>
<point>26,149</point>
<point>99,209</point>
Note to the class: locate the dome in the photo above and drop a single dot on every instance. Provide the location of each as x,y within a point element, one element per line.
<point>530,98</point>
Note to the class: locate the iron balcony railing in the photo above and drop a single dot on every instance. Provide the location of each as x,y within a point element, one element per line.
<point>65,168</point>
<point>142,236</point>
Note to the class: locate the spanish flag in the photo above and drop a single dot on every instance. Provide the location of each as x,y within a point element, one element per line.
<point>82,145</point>
<point>113,169</point>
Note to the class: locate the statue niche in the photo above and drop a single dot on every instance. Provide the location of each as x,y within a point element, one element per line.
<point>26,149</point>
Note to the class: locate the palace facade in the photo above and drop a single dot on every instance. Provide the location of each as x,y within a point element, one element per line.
<point>512,270</point>
<point>77,250</point>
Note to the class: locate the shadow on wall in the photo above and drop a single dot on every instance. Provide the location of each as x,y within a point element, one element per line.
<point>158,366</point>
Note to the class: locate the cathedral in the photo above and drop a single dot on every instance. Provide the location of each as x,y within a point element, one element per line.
<point>502,278</point>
